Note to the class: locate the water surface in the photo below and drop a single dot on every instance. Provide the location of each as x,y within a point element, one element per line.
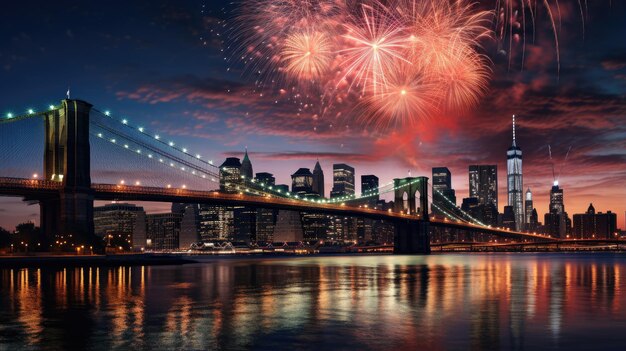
<point>436,302</point>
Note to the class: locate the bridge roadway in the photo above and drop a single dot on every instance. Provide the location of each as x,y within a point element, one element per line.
<point>37,189</point>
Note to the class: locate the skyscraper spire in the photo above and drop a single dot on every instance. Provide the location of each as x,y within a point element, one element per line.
<point>514,130</point>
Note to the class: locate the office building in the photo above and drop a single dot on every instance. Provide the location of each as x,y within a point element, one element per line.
<point>369,189</point>
<point>216,223</point>
<point>121,224</point>
<point>592,225</point>
<point>163,231</point>
<point>515,183</point>
<point>230,175</point>
<point>302,182</point>
<point>318,179</point>
<point>189,227</point>
<point>483,183</point>
<point>444,197</point>
<point>265,178</point>
<point>528,210</point>
<point>343,181</point>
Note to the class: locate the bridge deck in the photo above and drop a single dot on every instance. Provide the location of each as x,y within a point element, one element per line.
<point>38,189</point>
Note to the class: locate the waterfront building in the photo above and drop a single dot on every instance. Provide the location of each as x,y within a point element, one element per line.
<point>515,182</point>
<point>189,227</point>
<point>163,231</point>
<point>121,224</point>
<point>288,227</point>
<point>318,180</point>
<point>592,225</point>
<point>216,223</point>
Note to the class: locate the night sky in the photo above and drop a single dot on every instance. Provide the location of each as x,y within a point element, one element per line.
<point>162,65</point>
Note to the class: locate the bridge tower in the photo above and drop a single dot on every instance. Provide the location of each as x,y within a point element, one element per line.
<point>67,160</point>
<point>412,236</point>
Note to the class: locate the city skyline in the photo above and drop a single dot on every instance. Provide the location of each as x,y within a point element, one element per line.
<point>198,101</point>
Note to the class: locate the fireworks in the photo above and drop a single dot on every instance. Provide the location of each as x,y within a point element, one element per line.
<point>391,62</point>
<point>307,56</point>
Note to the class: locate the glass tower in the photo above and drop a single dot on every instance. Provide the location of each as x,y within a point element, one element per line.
<point>515,182</point>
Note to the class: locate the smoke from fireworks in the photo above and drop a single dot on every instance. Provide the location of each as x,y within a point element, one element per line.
<point>391,62</point>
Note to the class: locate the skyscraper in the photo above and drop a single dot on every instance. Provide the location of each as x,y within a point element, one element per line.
<point>556,220</point>
<point>444,197</point>
<point>318,179</point>
<point>302,182</point>
<point>528,208</point>
<point>265,178</point>
<point>515,182</point>
<point>230,175</point>
<point>483,183</point>
<point>124,223</point>
<point>246,166</point>
<point>369,188</point>
<point>343,180</point>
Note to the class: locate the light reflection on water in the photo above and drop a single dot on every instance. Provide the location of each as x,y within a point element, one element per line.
<point>495,301</point>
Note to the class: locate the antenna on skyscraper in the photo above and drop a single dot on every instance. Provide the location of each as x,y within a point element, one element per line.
<point>513,130</point>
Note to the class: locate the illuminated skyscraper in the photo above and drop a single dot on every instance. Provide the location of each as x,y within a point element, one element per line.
<point>343,180</point>
<point>483,184</point>
<point>528,209</point>
<point>318,179</point>
<point>444,197</point>
<point>515,182</point>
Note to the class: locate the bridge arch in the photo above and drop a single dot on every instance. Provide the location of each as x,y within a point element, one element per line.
<point>406,198</point>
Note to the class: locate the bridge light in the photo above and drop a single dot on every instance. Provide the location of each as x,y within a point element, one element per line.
<point>124,121</point>
<point>51,107</point>
<point>31,111</point>
<point>171,143</point>
<point>140,129</point>
<point>113,141</point>
<point>126,146</point>
<point>169,186</point>
<point>137,183</point>
<point>35,175</point>
<point>9,115</point>
<point>122,181</point>
<point>184,150</point>
<point>107,113</point>
<point>171,164</point>
<point>198,156</point>
<point>184,186</point>
<point>157,137</point>
<point>138,151</point>
<point>149,155</point>
<point>99,135</point>
<point>210,162</point>
<point>161,160</point>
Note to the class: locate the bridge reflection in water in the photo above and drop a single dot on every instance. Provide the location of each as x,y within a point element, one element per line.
<point>363,302</point>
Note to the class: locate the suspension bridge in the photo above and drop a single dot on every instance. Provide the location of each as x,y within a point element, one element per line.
<point>83,149</point>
